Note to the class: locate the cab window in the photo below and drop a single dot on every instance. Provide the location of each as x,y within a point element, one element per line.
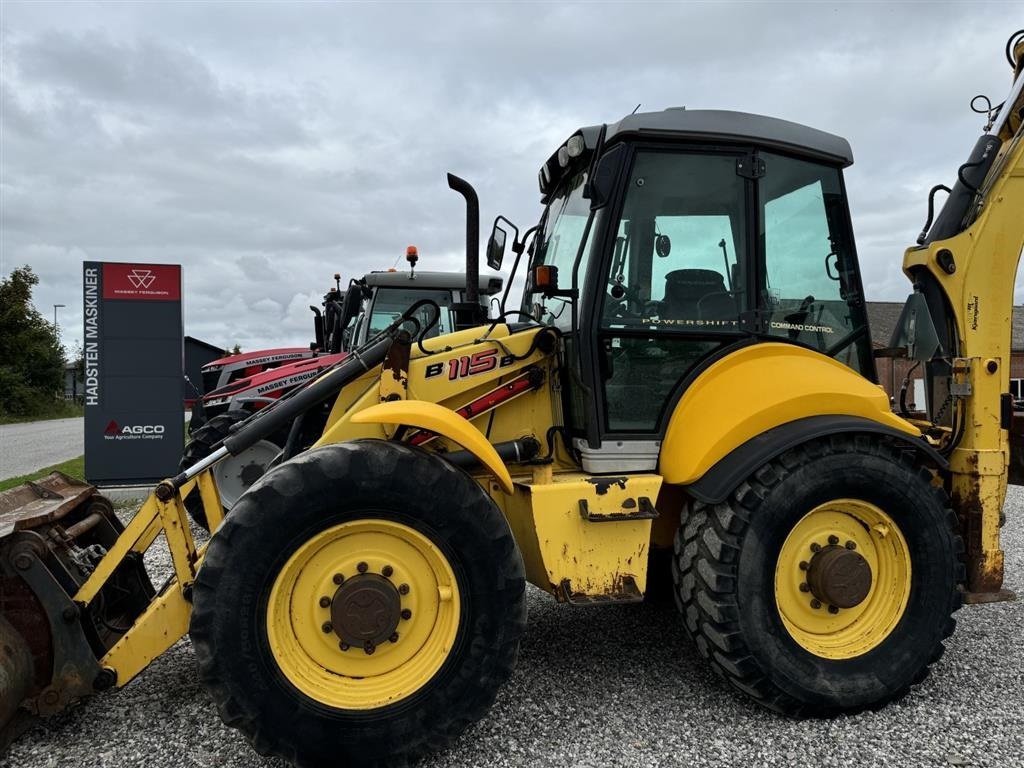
<point>811,292</point>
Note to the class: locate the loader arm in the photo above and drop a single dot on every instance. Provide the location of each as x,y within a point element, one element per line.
<point>974,271</point>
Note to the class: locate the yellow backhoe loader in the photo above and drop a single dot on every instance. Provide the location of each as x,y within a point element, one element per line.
<point>686,400</point>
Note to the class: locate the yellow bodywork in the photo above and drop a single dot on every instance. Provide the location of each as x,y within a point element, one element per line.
<point>717,413</point>
<point>568,555</point>
<point>533,414</point>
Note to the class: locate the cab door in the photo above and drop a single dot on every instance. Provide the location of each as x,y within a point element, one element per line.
<point>675,286</point>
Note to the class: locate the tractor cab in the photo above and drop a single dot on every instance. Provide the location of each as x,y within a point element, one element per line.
<point>671,238</point>
<point>385,296</point>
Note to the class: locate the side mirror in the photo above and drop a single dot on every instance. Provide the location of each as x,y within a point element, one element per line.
<point>496,247</point>
<point>915,331</point>
<point>496,242</point>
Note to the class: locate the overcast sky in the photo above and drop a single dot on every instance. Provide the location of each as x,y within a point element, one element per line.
<point>265,146</point>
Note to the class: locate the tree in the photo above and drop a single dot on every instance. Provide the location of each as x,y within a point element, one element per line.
<point>31,356</point>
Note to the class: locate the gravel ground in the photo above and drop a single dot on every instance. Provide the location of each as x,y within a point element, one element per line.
<point>614,686</point>
<point>24,448</point>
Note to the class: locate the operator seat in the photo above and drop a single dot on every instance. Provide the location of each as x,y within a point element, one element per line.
<point>697,294</point>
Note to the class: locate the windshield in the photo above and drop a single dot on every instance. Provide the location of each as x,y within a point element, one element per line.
<point>559,242</point>
<point>390,303</point>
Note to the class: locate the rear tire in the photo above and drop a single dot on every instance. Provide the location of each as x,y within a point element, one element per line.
<point>245,468</point>
<point>731,572</point>
<point>279,676</point>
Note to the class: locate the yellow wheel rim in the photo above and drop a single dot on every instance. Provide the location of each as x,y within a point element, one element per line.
<point>828,630</point>
<point>387,561</point>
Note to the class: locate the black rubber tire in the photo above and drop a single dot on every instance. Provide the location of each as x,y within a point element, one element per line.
<point>202,444</point>
<point>294,501</point>
<point>724,572</point>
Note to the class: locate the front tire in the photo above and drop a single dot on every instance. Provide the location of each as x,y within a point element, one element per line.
<point>772,582</point>
<point>361,604</point>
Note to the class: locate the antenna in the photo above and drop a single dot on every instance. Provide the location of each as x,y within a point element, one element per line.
<point>635,109</point>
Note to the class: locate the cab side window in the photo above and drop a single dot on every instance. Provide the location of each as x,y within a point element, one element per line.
<point>810,293</point>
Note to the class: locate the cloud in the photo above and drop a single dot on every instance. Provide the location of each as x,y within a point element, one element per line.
<point>268,146</point>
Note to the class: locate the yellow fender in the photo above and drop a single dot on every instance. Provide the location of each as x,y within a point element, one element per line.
<point>443,421</point>
<point>755,389</point>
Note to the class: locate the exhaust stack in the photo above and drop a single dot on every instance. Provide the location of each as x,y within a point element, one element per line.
<point>469,314</point>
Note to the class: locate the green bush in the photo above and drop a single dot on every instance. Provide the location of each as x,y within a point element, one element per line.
<point>31,356</point>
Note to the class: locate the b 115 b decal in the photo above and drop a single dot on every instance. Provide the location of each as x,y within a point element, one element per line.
<point>469,365</point>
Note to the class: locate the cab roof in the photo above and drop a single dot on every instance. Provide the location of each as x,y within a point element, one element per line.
<point>714,126</point>
<point>736,127</point>
<point>424,280</point>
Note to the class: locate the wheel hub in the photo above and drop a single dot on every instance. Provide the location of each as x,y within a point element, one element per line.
<point>365,610</point>
<point>252,472</point>
<point>839,576</point>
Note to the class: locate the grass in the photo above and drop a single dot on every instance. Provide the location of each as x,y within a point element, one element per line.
<point>59,409</point>
<point>73,468</point>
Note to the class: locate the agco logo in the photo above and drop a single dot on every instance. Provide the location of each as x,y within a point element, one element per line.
<point>141,278</point>
<point>115,431</point>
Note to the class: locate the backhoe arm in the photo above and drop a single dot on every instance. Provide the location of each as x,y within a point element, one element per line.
<point>973,272</point>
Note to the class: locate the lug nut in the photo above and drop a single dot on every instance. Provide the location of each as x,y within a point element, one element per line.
<point>804,565</point>
<point>804,587</point>
<point>833,540</point>
<point>386,571</point>
<point>327,627</point>
<point>338,578</point>
<point>833,609</point>
<point>815,547</point>
<point>369,648</point>
<point>325,601</point>
<point>815,603</point>
<point>362,567</point>
<point>344,646</point>
<point>406,614</point>
<point>394,637</point>
<point>403,589</point>
<point>851,545</point>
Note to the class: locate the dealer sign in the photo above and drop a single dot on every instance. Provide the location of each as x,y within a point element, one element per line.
<point>133,348</point>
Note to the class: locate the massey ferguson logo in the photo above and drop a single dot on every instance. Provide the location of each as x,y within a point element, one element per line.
<point>142,282</point>
<point>141,278</point>
<point>115,431</point>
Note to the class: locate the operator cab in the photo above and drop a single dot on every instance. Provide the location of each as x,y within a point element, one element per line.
<point>676,236</point>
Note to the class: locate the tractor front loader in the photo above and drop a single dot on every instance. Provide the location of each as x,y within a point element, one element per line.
<point>686,399</point>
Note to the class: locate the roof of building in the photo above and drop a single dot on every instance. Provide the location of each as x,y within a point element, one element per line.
<point>201,343</point>
<point>884,315</point>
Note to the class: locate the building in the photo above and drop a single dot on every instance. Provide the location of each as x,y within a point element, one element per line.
<point>74,382</point>
<point>883,317</point>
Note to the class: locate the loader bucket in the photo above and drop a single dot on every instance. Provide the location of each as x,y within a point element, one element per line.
<point>52,534</point>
